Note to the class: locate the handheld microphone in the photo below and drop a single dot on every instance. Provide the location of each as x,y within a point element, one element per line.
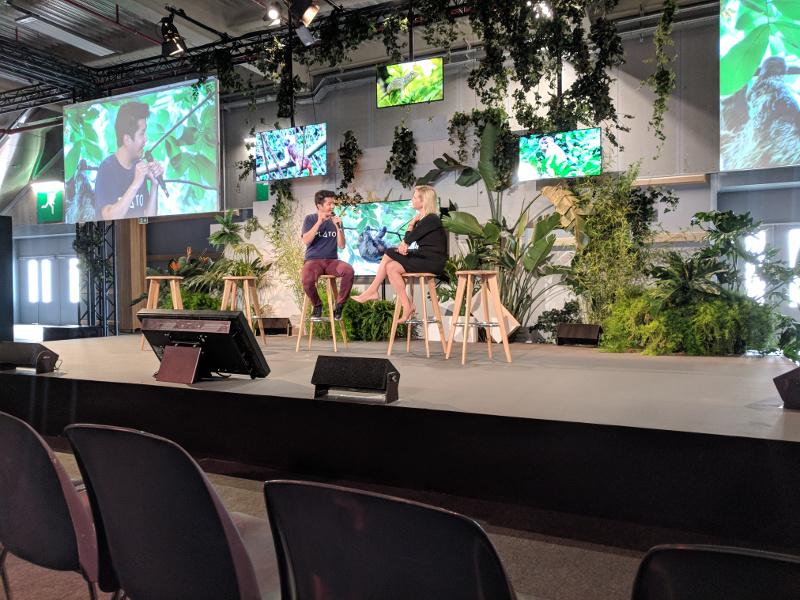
<point>149,158</point>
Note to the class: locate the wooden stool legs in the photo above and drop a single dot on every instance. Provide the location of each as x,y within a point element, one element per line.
<point>423,278</point>
<point>250,293</point>
<point>153,289</point>
<point>489,290</point>
<point>333,292</point>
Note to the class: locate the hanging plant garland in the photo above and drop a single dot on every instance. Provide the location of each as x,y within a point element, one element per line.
<point>349,151</point>
<point>403,159</point>
<point>662,81</point>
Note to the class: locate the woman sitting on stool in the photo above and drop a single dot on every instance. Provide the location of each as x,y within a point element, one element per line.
<point>426,229</point>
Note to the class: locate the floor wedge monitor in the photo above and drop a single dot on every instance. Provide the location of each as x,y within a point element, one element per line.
<point>355,379</point>
<point>27,355</point>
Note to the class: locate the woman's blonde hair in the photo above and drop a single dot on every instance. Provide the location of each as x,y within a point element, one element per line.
<point>430,201</point>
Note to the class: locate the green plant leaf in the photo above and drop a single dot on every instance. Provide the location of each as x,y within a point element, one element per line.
<point>469,177</point>
<point>491,232</point>
<point>739,65</point>
<point>462,223</point>
<point>788,8</point>
<point>485,163</point>
<point>791,33</point>
<point>537,254</point>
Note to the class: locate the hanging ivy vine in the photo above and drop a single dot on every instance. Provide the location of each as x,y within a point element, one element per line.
<point>349,151</point>
<point>662,81</point>
<point>461,124</point>
<point>403,159</point>
<point>393,27</point>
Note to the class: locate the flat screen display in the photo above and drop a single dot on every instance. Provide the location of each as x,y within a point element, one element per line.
<point>112,147</point>
<point>410,83</point>
<point>759,84</point>
<point>370,228</point>
<point>292,152</point>
<point>566,154</point>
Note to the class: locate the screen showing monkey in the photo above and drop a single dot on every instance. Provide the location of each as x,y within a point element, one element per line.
<point>291,152</point>
<point>759,84</point>
<point>567,154</point>
<point>370,228</point>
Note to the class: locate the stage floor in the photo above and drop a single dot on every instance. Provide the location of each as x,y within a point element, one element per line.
<point>725,396</point>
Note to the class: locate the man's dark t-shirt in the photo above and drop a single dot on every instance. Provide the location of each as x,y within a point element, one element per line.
<point>324,244</point>
<point>112,181</point>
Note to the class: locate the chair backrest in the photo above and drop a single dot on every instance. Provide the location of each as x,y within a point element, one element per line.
<point>334,543</point>
<point>716,573</point>
<point>42,518</point>
<point>166,531</point>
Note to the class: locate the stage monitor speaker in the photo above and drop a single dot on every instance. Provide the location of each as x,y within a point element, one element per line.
<point>579,334</point>
<point>25,354</point>
<point>355,379</point>
<point>788,386</point>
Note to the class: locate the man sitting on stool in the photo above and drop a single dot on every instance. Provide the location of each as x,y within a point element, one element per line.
<point>322,235</point>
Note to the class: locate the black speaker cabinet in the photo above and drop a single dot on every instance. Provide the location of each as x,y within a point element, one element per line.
<point>788,386</point>
<point>24,354</point>
<point>578,334</point>
<point>355,379</point>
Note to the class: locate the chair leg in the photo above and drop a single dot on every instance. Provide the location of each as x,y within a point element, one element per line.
<point>494,290</point>
<point>467,317</point>
<point>341,322</point>
<point>92,591</point>
<point>456,310</point>
<point>408,327</point>
<point>3,574</point>
<point>424,315</point>
<point>485,301</point>
<point>393,330</point>
<point>329,290</point>
<point>302,323</point>
<point>436,312</point>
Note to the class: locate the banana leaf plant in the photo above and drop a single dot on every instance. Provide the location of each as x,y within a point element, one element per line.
<point>497,245</point>
<point>522,261</point>
<point>486,171</point>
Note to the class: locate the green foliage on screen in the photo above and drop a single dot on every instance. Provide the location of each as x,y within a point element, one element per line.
<point>751,31</point>
<point>410,83</point>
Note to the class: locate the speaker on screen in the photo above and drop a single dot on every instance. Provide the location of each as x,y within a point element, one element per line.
<point>355,379</point>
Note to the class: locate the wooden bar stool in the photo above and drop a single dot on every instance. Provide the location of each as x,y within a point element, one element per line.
<point>152,293</point>
<point>333,293</point>
<point>421,278</point>
<point>249,293</point>
<point>489,289</point>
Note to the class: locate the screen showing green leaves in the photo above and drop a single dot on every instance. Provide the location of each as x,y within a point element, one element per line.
<point>759,81</point>
<point>175,126</point>
<point>410,83</point>
<point>566,154</point>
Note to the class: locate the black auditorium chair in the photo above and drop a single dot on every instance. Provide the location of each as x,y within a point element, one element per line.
<point>163,525</point>
<point>678,572</point>
<point>43,518</point>
<point>334,543</point>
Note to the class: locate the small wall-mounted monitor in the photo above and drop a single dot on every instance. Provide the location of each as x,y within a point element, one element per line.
<point>291,152</point>
<point>370,228</point>
<point>566,154</point>
<point>193,344</point>
<point>105,142</point>
<point>410,83</point>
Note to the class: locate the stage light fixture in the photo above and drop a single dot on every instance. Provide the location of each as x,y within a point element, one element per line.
<point>303,11</point>
<point>172,43</point>
<point>273,12</point>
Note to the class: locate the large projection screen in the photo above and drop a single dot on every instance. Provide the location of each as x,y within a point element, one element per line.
<point>180,132</point>
<point>759,84</point>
